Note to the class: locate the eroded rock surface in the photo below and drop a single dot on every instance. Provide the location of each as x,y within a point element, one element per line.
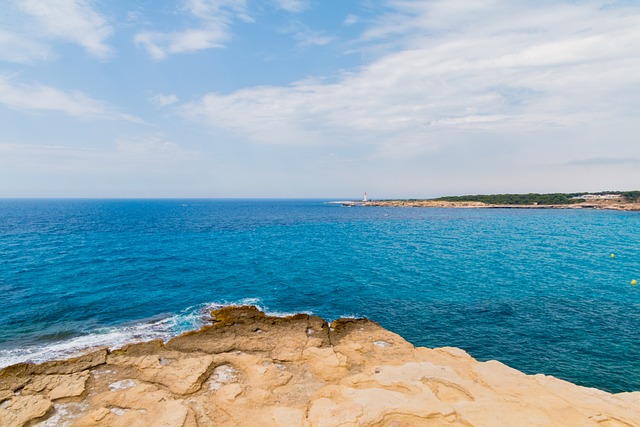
<point>249,369</point>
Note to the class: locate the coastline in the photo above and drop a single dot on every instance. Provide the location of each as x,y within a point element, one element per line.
<point>606,205</point>
<point>248,368</point>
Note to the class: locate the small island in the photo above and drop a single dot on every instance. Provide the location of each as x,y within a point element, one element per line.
<point>612,200</point>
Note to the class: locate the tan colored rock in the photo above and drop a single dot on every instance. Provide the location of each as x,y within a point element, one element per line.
<point>284,416</point>
<point>248,330</point>
<point>57,386</point>
<point>182,375</point>
<point>15,377</point>
<point>249,369</point>
<point>137,406</point>
<point>325,363</point>
<point>229,392</point>
<point>73,365</point>
<point>5,395</point>
<point>19,410</point>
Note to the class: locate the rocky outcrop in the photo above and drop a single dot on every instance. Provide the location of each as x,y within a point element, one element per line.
<point>424,204</point>
<point>249,369</point>
<point>598,204</point>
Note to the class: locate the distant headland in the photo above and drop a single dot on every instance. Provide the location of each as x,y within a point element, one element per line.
<point>613,200</point>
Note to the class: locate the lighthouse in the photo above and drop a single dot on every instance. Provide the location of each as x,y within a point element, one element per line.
<point>364,199</point>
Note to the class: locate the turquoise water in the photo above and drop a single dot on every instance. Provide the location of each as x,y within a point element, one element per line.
<point>535,289</point>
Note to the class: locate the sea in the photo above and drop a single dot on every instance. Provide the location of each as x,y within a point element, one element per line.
<point>542,290</point>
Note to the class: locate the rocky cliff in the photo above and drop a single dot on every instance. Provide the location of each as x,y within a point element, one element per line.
<point>249,369</point>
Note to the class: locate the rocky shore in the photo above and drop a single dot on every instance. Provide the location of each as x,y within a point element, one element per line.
<point>603,204</point>
<point>249,369</point>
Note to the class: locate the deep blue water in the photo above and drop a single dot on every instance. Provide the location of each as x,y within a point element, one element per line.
<point>535,289</point>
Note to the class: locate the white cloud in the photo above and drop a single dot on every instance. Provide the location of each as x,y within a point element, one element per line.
<point>148,149</point>
<point>161,45</point>
<point>351,20</point>
<point>130,166</point>
<point>39,97</point>
<point>607,161</point>
<point>218,9</point>
<point>20,49</point>
<point>140,150</point>
<point>73,21</point>
<point>463,66</point>
<point>213,19</point>
<point>306,37</point>
<point>164,100</point>
<point>292,5</point>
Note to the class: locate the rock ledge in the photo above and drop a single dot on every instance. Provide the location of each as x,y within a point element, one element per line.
<point>249,369</point>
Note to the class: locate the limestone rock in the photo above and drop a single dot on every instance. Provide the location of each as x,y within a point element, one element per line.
<point>57,386</point>
<point>249,369</point>
<point>5,395</point>
<point>15,377</point>
<point>18,411</point>
<point>138,406</point>
<point>247,329</point>
<point>182,375</point>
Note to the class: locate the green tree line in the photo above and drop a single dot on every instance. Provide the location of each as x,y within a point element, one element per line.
<point>535,198</point>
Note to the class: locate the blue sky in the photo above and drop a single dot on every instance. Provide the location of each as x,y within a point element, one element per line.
<point>317,98</point>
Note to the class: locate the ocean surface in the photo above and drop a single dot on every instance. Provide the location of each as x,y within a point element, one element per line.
<point>535,289</point>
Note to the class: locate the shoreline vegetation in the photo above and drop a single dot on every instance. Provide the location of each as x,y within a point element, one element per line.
<point>247,368</point>
<point>612,200</point>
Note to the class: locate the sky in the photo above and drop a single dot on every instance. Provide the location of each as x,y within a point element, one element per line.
<point>317,98</point>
